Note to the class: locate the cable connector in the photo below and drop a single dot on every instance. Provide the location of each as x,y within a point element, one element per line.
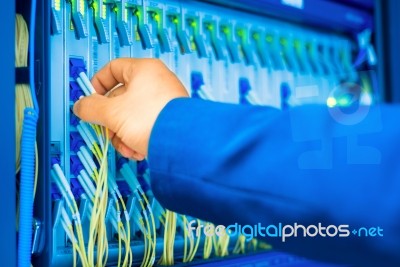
<point>55,192</point>
<point>76,165</point>
<point>76,66</point>
<point>75,91</point>
<point>124,188</point>
<point>76,141</point>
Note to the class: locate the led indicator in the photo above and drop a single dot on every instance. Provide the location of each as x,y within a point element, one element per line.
<point>137,13</point>
<point>156,17</point>
<point>192,23</point>
<point>225,30</point>
<point>256,36</point>
<point>297,44</point>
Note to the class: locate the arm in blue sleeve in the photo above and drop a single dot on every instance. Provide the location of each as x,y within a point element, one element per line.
<point>245,164</point>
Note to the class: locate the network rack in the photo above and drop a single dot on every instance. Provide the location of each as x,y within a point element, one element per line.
<point>221,52</point>
<point>220,58</point>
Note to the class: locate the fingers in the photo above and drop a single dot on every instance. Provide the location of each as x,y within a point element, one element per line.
<point>113,73</point>
<point>125,150</point>
<point>94,109</point>
<point>117,91</point>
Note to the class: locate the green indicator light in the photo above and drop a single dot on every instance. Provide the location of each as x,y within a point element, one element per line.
<point>94,5</point>
<point>137,13</point>
<point>256,36</point>
<point>156,17</point>
<point>269,38</point>
<point>297,44</point>
<point>175,20</point>
<point>193,23</point>
<point>225,30</point>
<point>210,27</point>
<point>240,33</point>
<point>284,42</point>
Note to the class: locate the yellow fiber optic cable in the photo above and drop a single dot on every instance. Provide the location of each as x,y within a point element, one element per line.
<point>187,237</point>
<point>191,257</point>
<point>128,251</point>
<point>152,230</point>
<point>240,245</point>
<point>23,99</point>
<point>208,246</point>
<point>97,229</point>
<point>148,238</point>
<point>72,206</point>
<point>167,258</point>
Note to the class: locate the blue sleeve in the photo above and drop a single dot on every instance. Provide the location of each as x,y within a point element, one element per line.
<point>245,164</point>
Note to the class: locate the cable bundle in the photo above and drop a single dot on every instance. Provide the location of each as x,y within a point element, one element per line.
<point>26,116</point>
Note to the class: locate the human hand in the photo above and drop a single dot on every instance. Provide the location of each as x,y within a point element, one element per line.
<point>130,111</point>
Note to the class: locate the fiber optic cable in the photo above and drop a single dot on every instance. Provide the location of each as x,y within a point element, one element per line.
<point>150,219</point>
<point>150,234</point>
<point>208,245</point>
<point>253,244</point>
<point>148,222</point>
<point>187,252</point>
<point>28,174</point>
<point>85,187</point>
<point>194,251</point>
<point>221,245</point>
<point>240,245</point>
<point>167,258</point>
<point>65,190</point>
<point>97,228</point>
<point>84,179</point>
<point>118,197</point>
<point>67,225</point>
<point>64,187</point>
<point>149,257</point>
<point>84,130</point>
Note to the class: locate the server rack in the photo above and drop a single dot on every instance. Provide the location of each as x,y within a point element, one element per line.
<point>386,71</point>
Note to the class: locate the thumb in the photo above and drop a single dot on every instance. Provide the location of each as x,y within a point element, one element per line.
<point>94,109</point>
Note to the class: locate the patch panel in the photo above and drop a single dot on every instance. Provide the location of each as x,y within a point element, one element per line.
<point>219,54</point>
